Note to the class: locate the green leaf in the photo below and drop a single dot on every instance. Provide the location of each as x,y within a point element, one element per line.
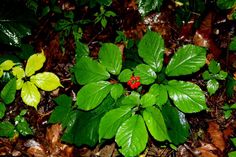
<point>160,93</point>
<point>232,154</point>
<point>18,72</point>
<point>84,130</point>
<point>233,140</point>
<point>125,75</point>
<point>104,22</point>
<point>16,21</point>
<point>34,63</point>
<point>30,94</point>
<point>46,81</point>
<point>2,110</point>
<point>116,91</point>
<point>151,49</point>
<point>111,57</point>
<point>178,127</point>
<point>188,97</point>
<point>227,114</point>
<point>212,86</point>
<point>6,129</point>
<point>88,70</point>
<point>233,106</point>
<point>132,136</point>
<point>22,126</point>
<point>230,84</point>
<point>1,72</point>
<point>146,6</point>
<point>148,99</point>
<point>206,75</point>
<point>187,60</point>
<point>225,4</point>
<point>91,95</point>
<point>7,65</point>
<point>146,74</point>
<point>9,91</point>
<point>62,25</point>
<point>64,103</point>
<point>155,123</point>
<point>232,45</point>
<point>131,100</point>
<point>214,67</point>
<point>221,76</point>
<point>81,50</point>
<point>110,14</point>
<point>111,121</point>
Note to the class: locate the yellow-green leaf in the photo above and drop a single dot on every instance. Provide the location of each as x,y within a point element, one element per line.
<point>18,72</point>
<point>34,63</point>
<point>46,81</point>
<point>19,84</point>
<point>30,94</point>
<point>7,65</point>
<point>1,72</point>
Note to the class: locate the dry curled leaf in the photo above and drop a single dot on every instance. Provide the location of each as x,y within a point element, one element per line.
<point>216,135</point>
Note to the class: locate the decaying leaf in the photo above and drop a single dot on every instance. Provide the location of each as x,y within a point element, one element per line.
<point>216,135</point>
<point>206,150</point>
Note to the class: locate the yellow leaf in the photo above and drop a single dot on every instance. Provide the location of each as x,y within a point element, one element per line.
<point>34,63</point>
<point>7,65</point>
<point>18,72</point>
<point>1,72</point>
<point>46,81</point>
<point>30,94</point>
<point>19,84</point>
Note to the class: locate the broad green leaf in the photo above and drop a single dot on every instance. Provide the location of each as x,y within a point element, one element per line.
<point>15,22</point>
<point>233,106</point>
<point>146,6</point>
<point>221,75</point>
<point>111,57</point>
<point>84,130</point>
<point>148,99</point>
<point>2,110</point>
<point>111,121</point>
<point>131,100</point>
<point>22,126</point>
<point>125,75</point>
<point>232,154</point>
<point>227,114</point>
<point>46,81</point>
<point>81,49</point>
<point>160,92</point>
<point>34,63</point>
<point>64,108</point>
<point>132,136</point>
<point>91,95</point>
<point>146,74</point>
<point>116,91</point>
<point>225,4</point>
<point>155,123</point>
<point>9,91</point>
<point>30,94</point>
<point>187,60</point>
<point>233,140</point>
<point>18,72</point>
<point>6,129</point>
<point>88,70</point>
<point>214,67</point>
<point>7,65</point>
<point>188,97</point>
<point>230,84</point>
<point>178,127</point>
<point>151,49</point>
<point>212,86</point>
<point>232,45</point>
<point>206,75</point>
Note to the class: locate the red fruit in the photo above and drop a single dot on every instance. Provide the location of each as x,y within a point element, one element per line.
<point>134,82</point>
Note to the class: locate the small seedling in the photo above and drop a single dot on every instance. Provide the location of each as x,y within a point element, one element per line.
<point>213,75</point>
<point>228,109</point>
<point>103,15</point>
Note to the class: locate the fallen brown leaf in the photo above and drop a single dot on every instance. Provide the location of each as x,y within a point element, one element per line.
<point>216,135</point>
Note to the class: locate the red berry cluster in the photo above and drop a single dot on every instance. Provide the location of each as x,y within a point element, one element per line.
<point>134,82</point>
